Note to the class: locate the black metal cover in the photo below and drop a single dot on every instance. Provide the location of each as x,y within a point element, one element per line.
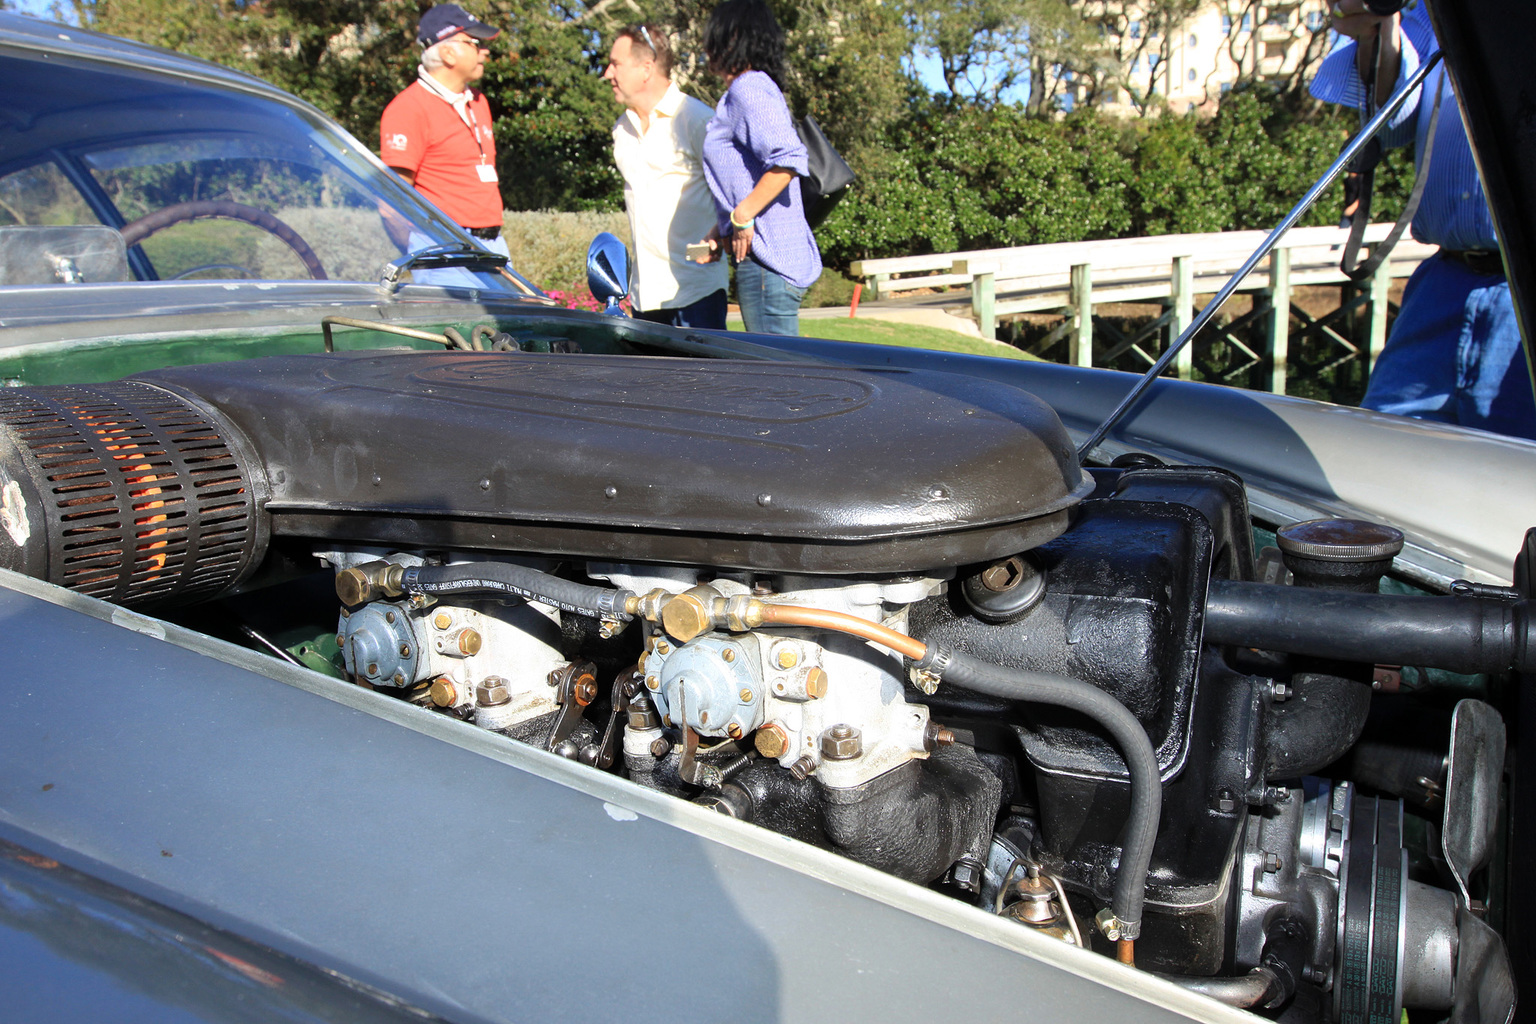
<point>776,467</point>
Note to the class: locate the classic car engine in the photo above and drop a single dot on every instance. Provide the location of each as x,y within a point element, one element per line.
<point>884,612</point>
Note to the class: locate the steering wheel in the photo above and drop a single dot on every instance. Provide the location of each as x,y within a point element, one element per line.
<point>136,231</point>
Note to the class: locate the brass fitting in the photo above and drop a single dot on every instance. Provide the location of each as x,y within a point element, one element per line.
<point>444,693</point>
<point>369,582</point>
<point>468,641</point>
<point>816,683</point>
<point>772,741</point>
<point>690,614</point>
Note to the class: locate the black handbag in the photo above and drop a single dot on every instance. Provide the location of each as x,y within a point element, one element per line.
<point>829,178</point>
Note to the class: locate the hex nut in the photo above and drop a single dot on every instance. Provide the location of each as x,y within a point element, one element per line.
<point>816,683</point>
<point>936,736</point>
<point>444,693</point>
<point>1225,802</point>
<point>772,741</point>
<point>493,692</point>
<point>585,690</point>
<point>842,743</point>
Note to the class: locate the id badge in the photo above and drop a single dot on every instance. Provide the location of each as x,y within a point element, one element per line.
<point>487,172</point>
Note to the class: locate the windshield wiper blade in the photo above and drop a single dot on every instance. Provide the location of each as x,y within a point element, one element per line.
<point>451,254</point>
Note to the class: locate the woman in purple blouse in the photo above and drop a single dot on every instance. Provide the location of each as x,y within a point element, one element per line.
<point>752,155</point>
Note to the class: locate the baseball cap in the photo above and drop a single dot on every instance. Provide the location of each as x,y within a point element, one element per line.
<point>446,20</point>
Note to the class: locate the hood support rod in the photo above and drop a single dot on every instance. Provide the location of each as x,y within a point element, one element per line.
<point>1367,133</point>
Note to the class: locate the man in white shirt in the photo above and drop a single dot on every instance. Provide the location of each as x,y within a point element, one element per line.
<point>658,145</point>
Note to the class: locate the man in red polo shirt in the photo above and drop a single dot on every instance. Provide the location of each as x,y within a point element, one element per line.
<point>437,133</point>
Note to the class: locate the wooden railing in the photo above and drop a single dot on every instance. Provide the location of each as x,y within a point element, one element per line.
<point>1072,277</point>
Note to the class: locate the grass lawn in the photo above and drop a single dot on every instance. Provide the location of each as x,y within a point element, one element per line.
<point>889,332</point>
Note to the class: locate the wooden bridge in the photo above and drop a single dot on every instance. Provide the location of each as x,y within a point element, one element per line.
<point>1071,278</point>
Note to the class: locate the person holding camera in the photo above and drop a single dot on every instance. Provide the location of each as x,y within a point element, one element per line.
<point>752,154</point>
<point>1454,354</point>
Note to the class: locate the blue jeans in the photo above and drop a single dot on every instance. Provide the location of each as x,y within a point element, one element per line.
<point>769,304</point>
<point>1454,355</point>
<point>707,314</point>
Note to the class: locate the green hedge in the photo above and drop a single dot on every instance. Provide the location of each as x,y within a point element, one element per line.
<point>966,178</point>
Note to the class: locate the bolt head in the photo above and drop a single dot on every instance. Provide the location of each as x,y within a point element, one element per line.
<point>841,743</point>
<point>442,620</point>
<point>470,642</point>
<point>772,741</point>
<point>661,746</point>
<point>444,693</point>
<point>585,690</point>
<point>787,657</point>
<point>1004,575</point>
<point>816,683</point>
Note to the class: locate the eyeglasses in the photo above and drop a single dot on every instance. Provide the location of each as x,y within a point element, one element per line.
<point>647,37</point>
<point>478,44</point>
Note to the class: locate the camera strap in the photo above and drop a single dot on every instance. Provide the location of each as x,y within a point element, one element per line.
<point>1365,165</point>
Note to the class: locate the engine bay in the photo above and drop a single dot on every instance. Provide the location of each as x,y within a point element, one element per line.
<point>882,612</point>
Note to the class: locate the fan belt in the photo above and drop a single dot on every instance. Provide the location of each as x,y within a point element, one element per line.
<point>1368,985</point>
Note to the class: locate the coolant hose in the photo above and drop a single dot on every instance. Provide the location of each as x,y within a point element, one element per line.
<point>1462,634</point>
<point>504,578</point>
<point>1140,830</point>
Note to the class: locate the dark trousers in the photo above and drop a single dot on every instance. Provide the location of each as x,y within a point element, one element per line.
<point>708,313</point>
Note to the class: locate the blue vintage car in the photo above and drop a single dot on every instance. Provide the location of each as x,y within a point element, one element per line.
<point>383,641</point>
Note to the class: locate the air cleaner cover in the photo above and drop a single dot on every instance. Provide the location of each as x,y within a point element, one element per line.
<point>801,468</point>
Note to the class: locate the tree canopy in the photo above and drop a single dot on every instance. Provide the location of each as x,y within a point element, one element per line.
<point>943,165</point>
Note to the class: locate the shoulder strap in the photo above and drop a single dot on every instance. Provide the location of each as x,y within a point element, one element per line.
<point>1366,164</point>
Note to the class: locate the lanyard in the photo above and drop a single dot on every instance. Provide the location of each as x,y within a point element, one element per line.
<point>474,126</point>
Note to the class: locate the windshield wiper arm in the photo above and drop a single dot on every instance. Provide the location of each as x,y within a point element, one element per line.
<point>451,254</point>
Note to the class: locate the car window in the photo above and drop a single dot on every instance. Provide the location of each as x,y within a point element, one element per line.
<point>242,205</point>
<point>202,180</point>
<point>42,195</point>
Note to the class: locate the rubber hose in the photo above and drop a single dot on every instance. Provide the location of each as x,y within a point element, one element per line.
<point>1462,634</point>
<point>502,578</point>
<point>1140,830</point>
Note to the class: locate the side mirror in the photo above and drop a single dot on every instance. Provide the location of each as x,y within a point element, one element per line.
<point>608,272</point>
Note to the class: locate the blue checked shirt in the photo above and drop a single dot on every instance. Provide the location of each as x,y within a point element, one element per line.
<point>752,133</point>
<point>1454,212</point>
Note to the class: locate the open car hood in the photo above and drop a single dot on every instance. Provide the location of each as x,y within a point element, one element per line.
<point>1486,45</point>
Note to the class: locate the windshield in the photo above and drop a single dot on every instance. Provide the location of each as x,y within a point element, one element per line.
<point>116,174</point>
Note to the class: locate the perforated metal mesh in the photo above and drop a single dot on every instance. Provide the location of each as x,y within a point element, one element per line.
<point>143,496</point>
